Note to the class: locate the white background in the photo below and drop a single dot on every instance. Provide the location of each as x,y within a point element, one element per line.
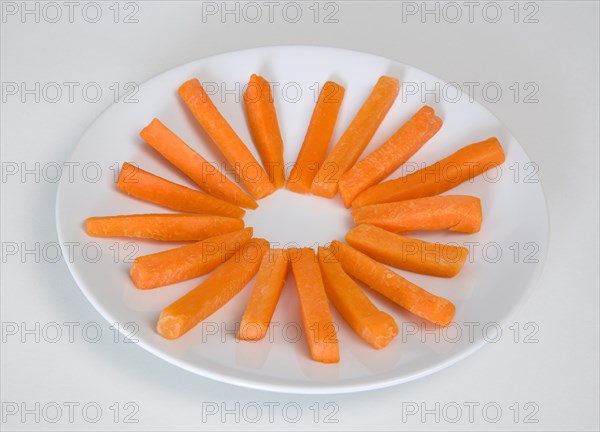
<point>557,375</point>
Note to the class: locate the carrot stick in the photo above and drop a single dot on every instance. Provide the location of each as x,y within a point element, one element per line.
<point>373,325</point>
<point>393,286</point>
<point>407,253</point>
<point>456,212</point>
<point>186,262</point>
<point>390,155</point>
<point>144,185</point>
<point>316,142</point>
<point>265,295</point>
<point>250,172</point>
<point>202,172</point>
<point>166,227</point>
<point>314,307</point>
<point>356,137</point>
<point>208,297</point>
<point>264,128</point>
<point>463,165</point>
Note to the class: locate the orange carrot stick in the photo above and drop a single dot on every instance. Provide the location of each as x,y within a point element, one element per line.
<point>144,185</point>
<point>356,137</point>
<point>314,307</point>
<point>202,172</point>
<point>264,128</point>
<point>208,297</point>
<point>373,325</point>
<point>186,262</point>
<point>166,227</point>
<point>250,172</point>
<point>463,165</point>
<point>456,212</point>
<point>390,155</point>
<point>407,253</point>
<point>316,142</point>
<point>265,295</point>
<point>393,286</point>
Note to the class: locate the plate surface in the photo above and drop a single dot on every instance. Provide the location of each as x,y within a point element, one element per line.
<point>506,255</point>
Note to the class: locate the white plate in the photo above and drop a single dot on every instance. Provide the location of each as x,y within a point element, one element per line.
<point>485,292</point>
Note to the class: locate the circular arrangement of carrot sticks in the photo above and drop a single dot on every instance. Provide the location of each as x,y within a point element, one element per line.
<point>218,243</point>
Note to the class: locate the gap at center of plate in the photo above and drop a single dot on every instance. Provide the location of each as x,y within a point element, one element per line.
<point>288,219</point>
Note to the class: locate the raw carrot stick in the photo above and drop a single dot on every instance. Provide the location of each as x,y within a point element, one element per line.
<point>390,155</point>
<point>202,172</point>
<point>186,262</point>
<point>356,137</point>
<point>463,165</point>
<point>373,325</point>
<point>208,297</point>
<point>407,253</point>
<point>144,185</point>
<point>166,227</point>
<point>456,212</point>
<point>393,286</point>
<point>316,142</point>
<point>265,295</point>
<point>314,307</point>
<point>250,172</point>
<point>264,128</point>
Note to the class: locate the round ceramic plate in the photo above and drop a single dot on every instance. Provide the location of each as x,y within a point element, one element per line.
<point>505,260</point>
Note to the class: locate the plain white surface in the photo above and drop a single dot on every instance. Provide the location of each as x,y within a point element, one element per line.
<point>557,376</point>
<point>487,290</point>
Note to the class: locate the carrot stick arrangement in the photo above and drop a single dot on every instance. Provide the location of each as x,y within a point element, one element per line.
<point>265,295</point>
<point>376,327</point>
<point>381,210</point>
<point>264,128</point>
<point>463,165</point>
<point>407,253</point>
<point>250,172</point>
<point>460,213</point>
<point>186,262</point>
<point>356,137</point>
<point>165,227</point>
<point>393,286</point>
<point>208,297</point>
<point>390,155</point>
<point>316,142</point>
<point>202,172</point>
<point>319,328</point>
<point>141,184</point>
